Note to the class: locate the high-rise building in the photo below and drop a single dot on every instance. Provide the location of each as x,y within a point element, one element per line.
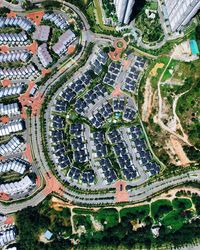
<point>180,12</point>
<point>124,10</point>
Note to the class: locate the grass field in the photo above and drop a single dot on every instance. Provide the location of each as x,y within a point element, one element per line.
<point>171,214</point>
<point>182,203</point>
<point>108,217</point>
<point>153,6</point>
<point>169,69</point>
<point>154,79</point>
<point>160,208</point>
<point>173,220</point>
<point>139,212</point>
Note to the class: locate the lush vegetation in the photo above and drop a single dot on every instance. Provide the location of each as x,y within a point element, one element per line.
<point>109,9</point>
<point>4,11</point>
<point>148,21</point>
<point>32,222</point>
<point>160,208</point>
<point>108,227</point>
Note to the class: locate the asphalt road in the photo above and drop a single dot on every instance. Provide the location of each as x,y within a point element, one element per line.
<point>136,194</point>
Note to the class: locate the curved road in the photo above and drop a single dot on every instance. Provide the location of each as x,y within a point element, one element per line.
<point>135,195</point>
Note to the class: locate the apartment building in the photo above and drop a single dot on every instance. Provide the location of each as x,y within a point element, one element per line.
<point>124,9</point>
<point>180,12</point>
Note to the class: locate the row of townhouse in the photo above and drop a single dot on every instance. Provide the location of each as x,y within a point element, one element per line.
<point>15,56</point>
<point>13,90</point>
<point>7,236</point>
<point>17,165</point>
<point>13,146</point>
<point>24,72</point>
<point>10,109</point>
<point>18,187</point>
<point>14,38</point>
<point>44,55</point>
<point>57,19</point>
<point>21,22</point>
<point>12,127</point>
<point>63,42</point>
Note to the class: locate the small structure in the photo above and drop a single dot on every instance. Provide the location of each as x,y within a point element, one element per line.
<point>41,33</point>
<point>33,91</point>
<point>156,230</point>
<point>48,234</point>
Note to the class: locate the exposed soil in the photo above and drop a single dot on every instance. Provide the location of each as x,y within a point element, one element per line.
<point>96,224</point>
<point>155,68</point>
<point>177,146</point>
<point>147,105</point>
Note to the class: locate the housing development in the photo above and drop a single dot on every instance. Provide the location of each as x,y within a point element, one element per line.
<point>99,124</point>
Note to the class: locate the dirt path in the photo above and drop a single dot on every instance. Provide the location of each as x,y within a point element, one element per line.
<point>184,161</point>
<point>147,105</point>
<point>58,205</point>
<point>178,122</point>
<point>160,122</point>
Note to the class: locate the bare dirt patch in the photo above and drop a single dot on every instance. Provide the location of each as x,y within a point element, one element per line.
<point>182,52</point>
<point>155,68</point>
<point>58,204</point>
<point>177,146</point>
<point>96,224</point>
<point>43,239</point>
<point>137,224</point>
<point>147,105</point>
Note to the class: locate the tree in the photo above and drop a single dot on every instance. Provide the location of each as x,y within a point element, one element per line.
<point>27,5</point>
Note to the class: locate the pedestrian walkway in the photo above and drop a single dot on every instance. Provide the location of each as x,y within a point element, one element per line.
<point>34,102</point>
<point>27,153</point>
<point>32,47</point>
<point>4,119</point>
<point>11,14</point>
<point>121,193</point>
<point>4,48</point>
<point>117,91</point>
<point>6,83</point>
<point>52,184</point>
<point>119,45</point>
<point>9,220</point>
<point>4,197</point>
<point>45,71</point>
<point>36,17</point>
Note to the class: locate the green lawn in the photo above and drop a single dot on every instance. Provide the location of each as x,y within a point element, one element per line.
<point>153,6</point>
<point>140,212</point>
<point>82,211</point>
<point>171,67</point>
<point>160,208</point>
<point>182,203</point>
<point>174,220</point>
<point>106,216</point>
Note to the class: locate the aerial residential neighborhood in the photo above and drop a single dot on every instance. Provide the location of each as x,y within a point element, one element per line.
<point>99,124</point>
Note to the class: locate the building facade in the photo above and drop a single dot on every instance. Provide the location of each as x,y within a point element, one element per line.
<point>180,12</point>
<point>124,10</point>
